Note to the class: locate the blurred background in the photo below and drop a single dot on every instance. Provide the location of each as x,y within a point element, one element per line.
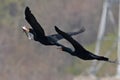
<point>23,59</point>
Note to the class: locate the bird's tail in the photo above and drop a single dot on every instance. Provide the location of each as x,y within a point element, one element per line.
<point>101,58</point>
<point>107,60</point>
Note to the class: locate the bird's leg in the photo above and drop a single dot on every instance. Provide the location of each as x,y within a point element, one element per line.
<point>59,48</point>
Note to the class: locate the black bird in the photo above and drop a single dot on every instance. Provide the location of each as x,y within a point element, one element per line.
<point>80,51</point>
<point>38,33</point>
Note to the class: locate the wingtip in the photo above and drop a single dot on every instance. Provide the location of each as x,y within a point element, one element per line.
<point>27,9</point>
<point>56,28</point>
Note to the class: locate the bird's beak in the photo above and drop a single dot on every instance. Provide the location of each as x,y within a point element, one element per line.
<point>25,29</point>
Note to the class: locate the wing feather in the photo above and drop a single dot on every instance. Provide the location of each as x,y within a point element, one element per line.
<point>33,22</point>
<point>70,39</point>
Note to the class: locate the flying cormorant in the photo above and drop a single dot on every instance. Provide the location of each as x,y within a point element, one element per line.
<point>38,32</point>
<point>80,51</point>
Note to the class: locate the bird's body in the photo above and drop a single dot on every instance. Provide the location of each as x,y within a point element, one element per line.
<point>80,51</point>
<point>38,32</point>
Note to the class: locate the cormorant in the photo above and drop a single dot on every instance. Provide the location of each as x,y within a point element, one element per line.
<point>80,51</point>
<point>38,33</point>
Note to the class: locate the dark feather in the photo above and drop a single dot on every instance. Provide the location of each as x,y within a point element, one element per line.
<point>80,51</point>
<point>33,22</point>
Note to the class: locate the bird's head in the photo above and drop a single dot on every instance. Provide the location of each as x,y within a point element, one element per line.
<point>29,32</point>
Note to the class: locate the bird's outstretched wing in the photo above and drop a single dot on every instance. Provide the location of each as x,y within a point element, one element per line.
<point>33,22</point>
<point>70,39</point>
<point>82,29</point>
<point>58,37</point>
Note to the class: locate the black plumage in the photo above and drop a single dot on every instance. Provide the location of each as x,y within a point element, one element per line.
<point>38,32</point>
<point>80,51</point>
